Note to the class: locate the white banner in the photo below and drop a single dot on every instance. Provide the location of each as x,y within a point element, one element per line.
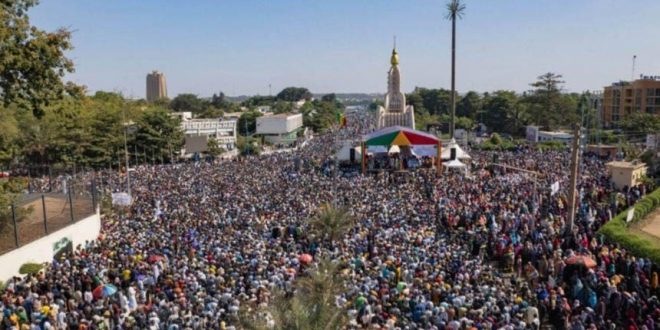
<point>631,214</point>
<point>123,199</point>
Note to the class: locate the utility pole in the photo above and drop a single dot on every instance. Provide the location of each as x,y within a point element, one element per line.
<point>573,184</point>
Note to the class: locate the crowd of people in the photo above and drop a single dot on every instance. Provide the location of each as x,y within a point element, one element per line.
<point>203,241</point>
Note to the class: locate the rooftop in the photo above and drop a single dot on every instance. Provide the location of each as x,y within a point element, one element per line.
<point>622,164</point>
<point>282,115</point>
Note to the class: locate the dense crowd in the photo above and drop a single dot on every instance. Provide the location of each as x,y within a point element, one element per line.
<point>484,251</point>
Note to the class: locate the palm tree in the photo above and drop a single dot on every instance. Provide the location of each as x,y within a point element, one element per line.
<point>311,307</point>
<point>455,9</point>
<point>332,223</point>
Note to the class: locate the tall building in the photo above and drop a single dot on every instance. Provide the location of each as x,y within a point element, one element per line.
<point>156,87</point>
<point>395,112</point>
<point>624,98</point>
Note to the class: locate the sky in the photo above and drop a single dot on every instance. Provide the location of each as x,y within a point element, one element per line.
<point>241,46</point>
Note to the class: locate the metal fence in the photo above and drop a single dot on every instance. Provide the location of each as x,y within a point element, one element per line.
<point>37,214</point>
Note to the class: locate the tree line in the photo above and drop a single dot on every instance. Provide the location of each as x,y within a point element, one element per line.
<point>545,105</point>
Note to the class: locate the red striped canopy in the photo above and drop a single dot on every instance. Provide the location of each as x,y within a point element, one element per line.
<point>399,136</point>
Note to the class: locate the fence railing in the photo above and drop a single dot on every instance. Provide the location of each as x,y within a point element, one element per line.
<point>36,215</point>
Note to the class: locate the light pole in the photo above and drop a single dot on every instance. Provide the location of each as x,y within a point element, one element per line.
<point>128,172</point>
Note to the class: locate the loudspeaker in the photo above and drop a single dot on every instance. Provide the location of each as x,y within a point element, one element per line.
<point>452,154</point>
<point>352,155</point>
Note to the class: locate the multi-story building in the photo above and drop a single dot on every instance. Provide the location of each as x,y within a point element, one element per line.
<point>156,86</point>
<point>281,128</point>
<point>624,98</point>
<point>197,132</point>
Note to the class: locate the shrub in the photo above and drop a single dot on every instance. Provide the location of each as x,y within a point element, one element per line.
<point>551,145</point>
<point>30,268</point>
<point>617,229</point>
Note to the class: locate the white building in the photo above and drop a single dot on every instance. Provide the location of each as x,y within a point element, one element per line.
<point>197,132</point>
<point>533,134</point>
<point>395,112</point>
<point>281,128</point>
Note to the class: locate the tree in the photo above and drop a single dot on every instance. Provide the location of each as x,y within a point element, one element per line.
<point>469,105</point>
<point>332,223</point>
<point>219,100</point>
<point>417,102</point>
<point>548,108</point>
<point>282,107</point>
<point>213,149</point>
<point>503,112</point>
<point>640,124</point>
<point>9,192</point>
<point>211,112</point>
<point>189,102</point>
<point>455,9</point>
<point>434,101</point>
<point>33,61</point>
<point>464,123</point>
<point>247,122</point>
<point>248,146</point>
<point>294,94</point>
<point>9,134</point>
<point>329,97</point>
<point>158,134</point>
<point>312,305</point>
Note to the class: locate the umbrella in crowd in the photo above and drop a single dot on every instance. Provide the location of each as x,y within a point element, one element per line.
<point>104,290</point>
<point>581,260</point>
<point>305,258</point>
<point>155,258</point>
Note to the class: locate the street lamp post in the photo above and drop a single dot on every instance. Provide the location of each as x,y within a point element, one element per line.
<point>128,173</point>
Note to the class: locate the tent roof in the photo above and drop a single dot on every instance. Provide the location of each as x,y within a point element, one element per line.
<point>460,153</point>
<point>345,152</point>
<point>400,136</point>
<point>454,164</point>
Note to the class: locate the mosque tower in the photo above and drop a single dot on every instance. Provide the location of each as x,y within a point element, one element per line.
<point>395,112</point>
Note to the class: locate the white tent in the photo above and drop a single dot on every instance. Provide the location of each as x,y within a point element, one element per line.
<point>344,154</point>
<point>455,164</point>
<point>428,151</point>
<point>376,149</point>
<point>460,153</point>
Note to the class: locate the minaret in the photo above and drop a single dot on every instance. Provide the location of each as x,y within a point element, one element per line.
<point>395,112</point>
<point>395,101</point>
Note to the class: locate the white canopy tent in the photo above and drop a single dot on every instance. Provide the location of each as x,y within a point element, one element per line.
<point>455,164</point>
<point>460,153</point>
<point>425,151</point>
<point>344,154</point>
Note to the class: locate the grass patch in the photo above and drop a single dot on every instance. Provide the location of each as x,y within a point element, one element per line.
<point>631,238</point>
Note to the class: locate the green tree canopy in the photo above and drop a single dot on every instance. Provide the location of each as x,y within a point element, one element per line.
<point>640,124</point>
<point>33,61</point>
<point>469,105</point>
<point>548,108</point>
<point>247,122</point>
<point>189,102</point>
<point>294,94</point>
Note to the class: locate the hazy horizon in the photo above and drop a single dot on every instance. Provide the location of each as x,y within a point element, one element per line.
<point>240,47</point>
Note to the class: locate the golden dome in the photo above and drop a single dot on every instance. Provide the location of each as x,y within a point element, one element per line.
<point>395,57</point>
